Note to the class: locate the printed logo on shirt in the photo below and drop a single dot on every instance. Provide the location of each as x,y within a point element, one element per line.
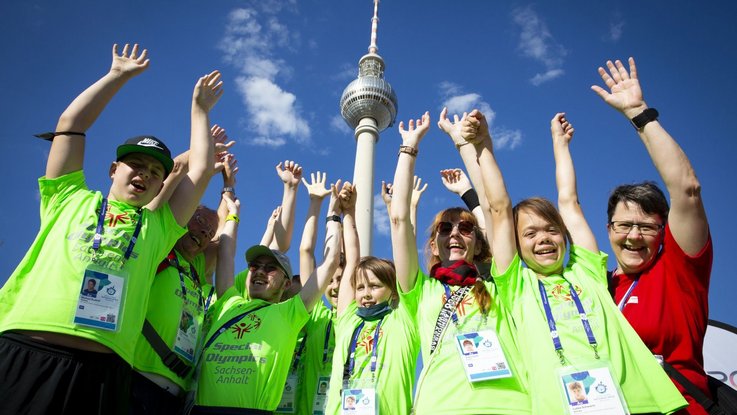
<point>461,311</point>
<point>563,291</point>
<point>366,340</point>
<point>249,324</point>
<point>113,219</point>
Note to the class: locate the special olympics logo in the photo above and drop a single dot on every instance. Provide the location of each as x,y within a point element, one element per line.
<point>251,323</point>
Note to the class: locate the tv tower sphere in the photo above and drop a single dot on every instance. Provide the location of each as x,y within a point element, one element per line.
<point>369,95</point>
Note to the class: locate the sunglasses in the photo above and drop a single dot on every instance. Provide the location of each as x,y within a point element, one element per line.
<point>268,268</point>
<point>465,228</point>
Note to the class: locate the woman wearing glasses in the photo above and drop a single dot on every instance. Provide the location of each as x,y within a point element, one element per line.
<point>453,304</point>
<point>664,255</point>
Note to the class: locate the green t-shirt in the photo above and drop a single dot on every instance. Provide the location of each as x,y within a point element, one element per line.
<point>396,358</point>
<point>247,365</point>
<point>165,307</point>
<point>43,292</point>
<point>645,385</point>
<point>316,360</point>
<point>443,387</point>
<point>239,282</point>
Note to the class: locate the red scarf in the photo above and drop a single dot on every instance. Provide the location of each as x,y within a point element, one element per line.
<point>458,273</point>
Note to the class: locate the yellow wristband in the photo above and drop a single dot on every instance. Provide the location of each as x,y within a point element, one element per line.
<point>234,218</point>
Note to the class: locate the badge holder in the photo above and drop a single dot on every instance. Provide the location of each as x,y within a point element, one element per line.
<point>288,403</point>
<point>482,356</point>
<point>360,398</point>
<point>188,331</point>
<point>591,389</point>
<point>101,298</point>
<point>321,395</point>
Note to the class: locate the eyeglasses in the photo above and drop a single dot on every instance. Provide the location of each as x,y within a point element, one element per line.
<point>205,225</point>
<point>624,227</point>
<point>268,268</point>
<point>465,228</point>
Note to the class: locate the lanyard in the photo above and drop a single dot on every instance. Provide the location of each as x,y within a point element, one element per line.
<point>325,347</point>
<point>209,299</point>
<point>100,229</point>
<point>193,276</point>
<point>552,326</point>
<point>229,323</point>
<point>623,301</point>
<point>351,363</point>
<point>454,316</point>
<point>446,313</point>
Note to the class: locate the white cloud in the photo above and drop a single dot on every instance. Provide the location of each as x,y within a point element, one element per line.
<point>381,217</point>
<point>615,30</point>
<point>536,42</point>
<point>338,123</point>
<point>252,38</point>
<point>458,102</point>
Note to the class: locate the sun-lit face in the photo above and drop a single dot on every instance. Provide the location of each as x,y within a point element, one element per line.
<point>266,280</point>
<point>634,251</point>
<point>137,179</point>
<point>200,231</point>
<point>454,240</point>
<point>332,291</point>
<point>370,290</point>
<point>542,244</point>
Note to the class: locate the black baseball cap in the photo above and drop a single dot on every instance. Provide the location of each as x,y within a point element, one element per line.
<point>150,145</point>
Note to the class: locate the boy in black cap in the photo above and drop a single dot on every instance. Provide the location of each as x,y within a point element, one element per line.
<point>61,351</point>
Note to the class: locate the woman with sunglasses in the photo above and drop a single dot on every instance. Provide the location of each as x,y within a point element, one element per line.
<point>569,329</point>
<point>376,342</point>
<point>664,255</point>
<point>453,303</point>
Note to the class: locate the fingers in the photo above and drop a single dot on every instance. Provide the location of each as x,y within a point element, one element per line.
<point>621,70</point>
<point>600,91</point>
<point>633,68</point>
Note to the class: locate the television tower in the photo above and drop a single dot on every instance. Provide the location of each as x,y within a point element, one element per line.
<point>369,106</point>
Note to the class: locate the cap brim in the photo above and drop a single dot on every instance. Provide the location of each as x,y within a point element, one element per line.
<point>126,149</point>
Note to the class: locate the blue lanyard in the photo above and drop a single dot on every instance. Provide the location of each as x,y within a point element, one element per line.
<point>209,299</point>
<point>298,355</point>
<point>623,301</point>
<point>447,297</point>
<point>97,240</point>
<point>352,350</point>
<point>175,263</point>
<point>325,347</point>
<point>552,326</point>
<point>229,323</point>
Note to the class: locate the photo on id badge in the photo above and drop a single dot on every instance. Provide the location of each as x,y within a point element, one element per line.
<point>592,391</point>
<point>359,401</point>
<point>100,299</point>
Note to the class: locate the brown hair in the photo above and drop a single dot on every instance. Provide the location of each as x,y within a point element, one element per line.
<point>382,268</point>
<point>480,293</point>
<point>545,209</point>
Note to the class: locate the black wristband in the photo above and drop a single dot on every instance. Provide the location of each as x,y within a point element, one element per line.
<point>50,135</point>
<point>334,218</point>
<point>471,199</point>
<point>639,122</point>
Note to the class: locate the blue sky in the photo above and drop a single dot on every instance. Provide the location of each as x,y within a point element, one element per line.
<point>285,65</point>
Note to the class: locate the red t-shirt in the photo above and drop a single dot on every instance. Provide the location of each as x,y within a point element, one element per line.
<point>669,309</point>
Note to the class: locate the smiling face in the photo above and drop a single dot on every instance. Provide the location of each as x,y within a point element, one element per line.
<point>451,238</point>
<point>137,179</point>
<point>200,231</point>
<point>370,290</point>
<point>374,282</point>
<point>634,251</point>
<point>266,280</point>
<point>542,244</point>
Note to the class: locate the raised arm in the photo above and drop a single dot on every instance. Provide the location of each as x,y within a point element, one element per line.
<point>569,205</point>
<point>463,132</point>
<point>317,191</point>
<point>225,269</point>
<point>456,181</point>
<point>317,283</point>
<point>290,174</point>
<point>187,195</point>
<point>228,166</point>
<point>404,243</point>
<point>270,225</point>
<point>499,207</point>
<point>687,217</point>
<point>352,247</point>
<point>67,150</point>
<point>417,190</point>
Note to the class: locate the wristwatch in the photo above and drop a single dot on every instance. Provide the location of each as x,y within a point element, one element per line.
<point>228,189</point>
<point>639,122</point>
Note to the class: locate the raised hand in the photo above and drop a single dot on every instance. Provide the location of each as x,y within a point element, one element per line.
<point>459,131</point>
<point>561,128</point>
<point>129,62</point>
<point>476,125</point>
<point>625,94</point>
<point>208,90</point>
<point>386,193</point>
<point>220,138</point>
<point>455,180</point>
<point>316,187</point>
<point>417,190</point>
<point>229,168</point>
<point>334,207</point>
<point>415,131</point>
<point>347,198</point>
<point>290,174</point>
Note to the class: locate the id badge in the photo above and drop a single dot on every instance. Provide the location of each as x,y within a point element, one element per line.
<point>591,391</point>
<point>287,405</point>
<point>482,356</point>
<point>358,401</point>
<point>100,298</point>
<point>321,395</point>
<point>187,335</point>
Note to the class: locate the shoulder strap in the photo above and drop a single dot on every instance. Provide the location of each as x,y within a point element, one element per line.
<point>700,397</point>
<point>168,357</point>
<point>166,262</point>
<point>445,315</point>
